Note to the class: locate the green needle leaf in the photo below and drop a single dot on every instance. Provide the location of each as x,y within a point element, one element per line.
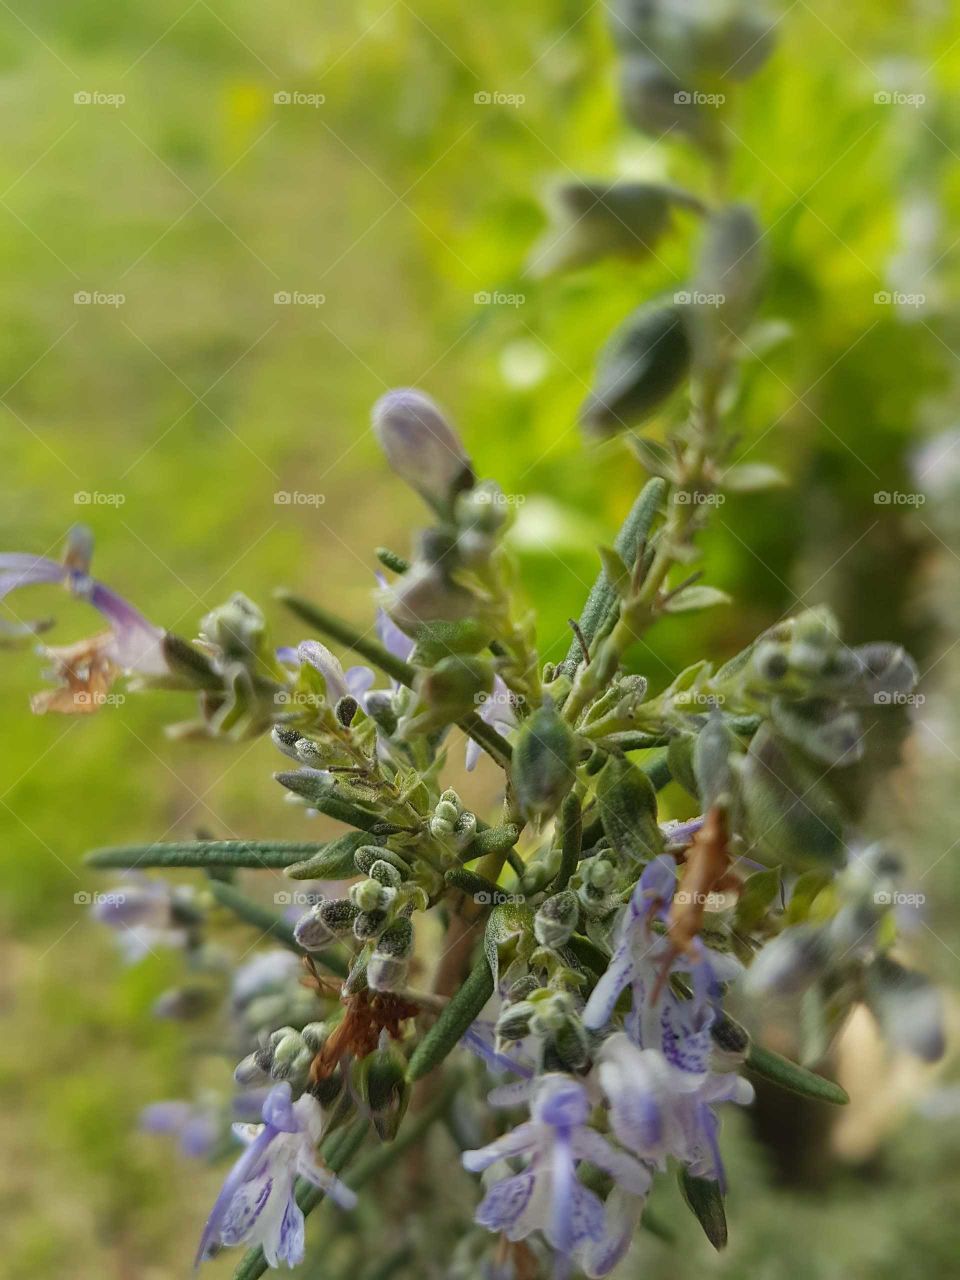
<point>456,1017</point>
<point>792,1077</point>
<point>206,853</point>
<point>704,1198</point>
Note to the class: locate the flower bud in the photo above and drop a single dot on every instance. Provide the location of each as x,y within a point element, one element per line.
<point>387,967</point>
<point>386,874</point>
<point>421,446</point>
<point>237,628</point>
<point>368,924</point>
<point>908,1008</point>
<point>544,759</point>
<point>789,963</point>
<point>426,594</point>
<point>324,922</point>
<point>381,1083</point>
<point>371,895</point>
<point>368,855</point>
<point>556,919</point>
<point>379,707</point>
<point>291,1057</point>
<point>514,1020</point>
<point>450,690</point>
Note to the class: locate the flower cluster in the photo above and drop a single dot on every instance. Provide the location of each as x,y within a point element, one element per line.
<point>582,940</point>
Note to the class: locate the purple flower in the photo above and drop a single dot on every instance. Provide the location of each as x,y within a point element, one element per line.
<point>86,669</point>
<point>661,1106</point>
<point>547,1195</point>
<point>642,956</point>
<point>194,1125</point>
<point>355,682</point>
<point>497,711</point>
<point>145,914</point>
<point>257,1204</point>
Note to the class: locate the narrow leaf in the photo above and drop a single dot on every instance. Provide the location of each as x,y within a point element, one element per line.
<point>453,1022</point>
<point>792,1077</point>
<point>705,1200</point>
<point>205,853</point>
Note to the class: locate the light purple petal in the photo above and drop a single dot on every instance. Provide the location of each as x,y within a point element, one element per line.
<point>627,1171</point>
<point>290,1245</point>
<point>503,1206</point>
<point>321,659</point>
<point>20,569</point>
<point>136,642</point>
<point>278,1110</point>
<point>252,1160</point>
<point>599,1008</point>
<point>516,1143</point>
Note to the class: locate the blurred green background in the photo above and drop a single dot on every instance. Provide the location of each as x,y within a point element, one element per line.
<point>183,410</point>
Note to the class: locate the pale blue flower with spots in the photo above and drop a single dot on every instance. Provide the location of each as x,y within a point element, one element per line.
<point>547,1195</point>
<point>257,1204</point>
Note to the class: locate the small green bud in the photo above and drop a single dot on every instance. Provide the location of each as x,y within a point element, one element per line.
<point>386,874</point>
<point>544,760</point>
<point>369,854</point>
<point>556,919</point>
<point>514,1020</point>
<point>371,895</point>
<point>368,924</point>
<point>238,628</point>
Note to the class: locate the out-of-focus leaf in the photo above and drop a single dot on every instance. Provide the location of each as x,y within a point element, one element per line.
<point>646,360</point>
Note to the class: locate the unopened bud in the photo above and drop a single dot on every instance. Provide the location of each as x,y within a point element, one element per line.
<point>346,709</point>
<point>371,895</point>
<point>544,760</point>
<point>421,446</point>
<point>556,919</point>
<point>368,924</point>
<point>324,922</point>
<point>514,1020</point>
<point>789,963</point>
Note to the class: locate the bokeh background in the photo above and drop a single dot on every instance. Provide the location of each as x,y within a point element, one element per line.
<point>171,409</point>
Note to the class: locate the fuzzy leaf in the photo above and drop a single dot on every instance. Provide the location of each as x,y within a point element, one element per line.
<point>696,596</point>
<point>334,862</point>
<point>453,1022</point>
